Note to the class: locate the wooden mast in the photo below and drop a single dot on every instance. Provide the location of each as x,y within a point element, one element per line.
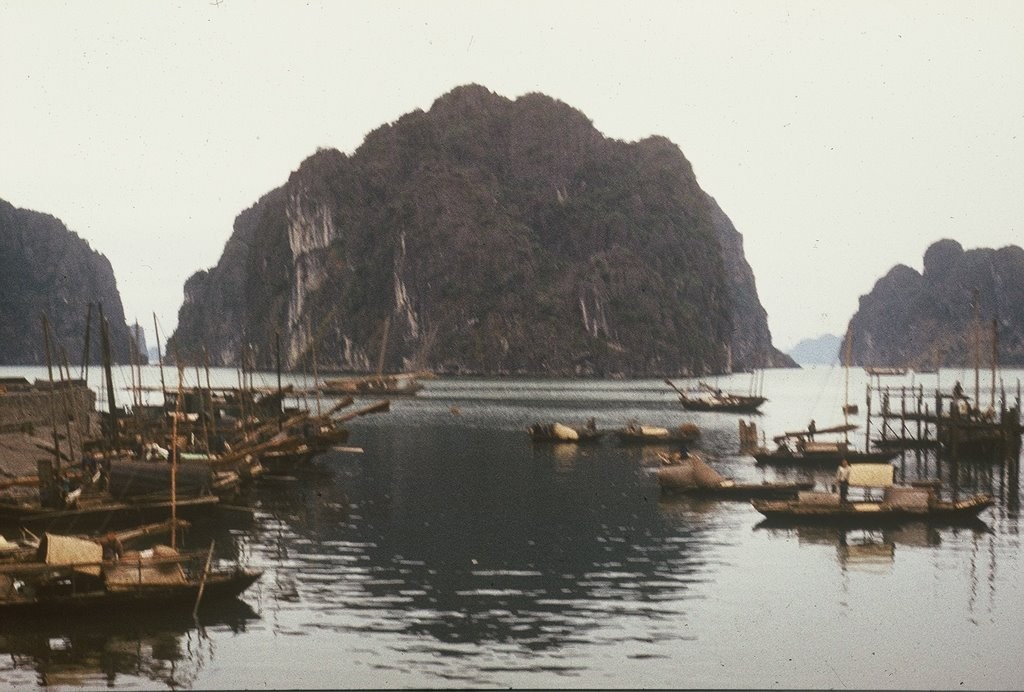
<point>159,357</point>
<point>174,457</point>
<point>85,347</point>
<point>111,406</point>
<point>846,396</point>
<point>383,349</point>
<point>995,358</point>
<point>53,405</point>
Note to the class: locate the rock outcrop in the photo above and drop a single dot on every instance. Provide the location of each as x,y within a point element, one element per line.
<point>927,319</point>
<point>486,236</point>
<point>47,269</point>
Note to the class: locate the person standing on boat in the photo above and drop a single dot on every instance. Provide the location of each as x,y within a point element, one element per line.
<point>811,429</point>
<point>843,479</point>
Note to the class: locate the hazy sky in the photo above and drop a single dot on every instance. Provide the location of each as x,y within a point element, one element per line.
<point>840,138</point>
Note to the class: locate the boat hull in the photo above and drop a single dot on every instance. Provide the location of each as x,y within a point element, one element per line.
<point>872,513</point>
<point>817,459</point>
<point>542,432</point>
<point>740,405</point>
<point>102,516</point>
<point>216,587</point>
<point>743,492</point>
<point>631,438</point>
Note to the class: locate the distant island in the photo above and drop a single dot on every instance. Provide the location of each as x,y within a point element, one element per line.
<point>485,236</point>
<point>821,350</point>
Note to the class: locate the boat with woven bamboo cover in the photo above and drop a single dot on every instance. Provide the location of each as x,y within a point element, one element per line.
<point>71,575</point>
<point>691,475</point>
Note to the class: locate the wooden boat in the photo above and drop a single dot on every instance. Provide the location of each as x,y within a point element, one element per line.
<point>808,508</point>
<point>557,432</point>
<point>692,476</point>
<point>879,371</point>
<point>898,503</point>
<point>72,576</point>
<point>798,448</point>
<point>634,433</point>
<point>100,515</point>
<point>704,397</point>
<point>399,384</point>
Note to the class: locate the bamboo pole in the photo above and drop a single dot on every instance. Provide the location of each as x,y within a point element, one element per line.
<point>202,581</point>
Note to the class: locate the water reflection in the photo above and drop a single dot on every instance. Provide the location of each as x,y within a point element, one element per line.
<point>537,547</point>
<point>871,549</point>
<point>114,649</point>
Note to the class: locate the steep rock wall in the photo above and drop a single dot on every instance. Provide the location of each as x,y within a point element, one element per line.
<point>489,236</point>
<point>47,269</point>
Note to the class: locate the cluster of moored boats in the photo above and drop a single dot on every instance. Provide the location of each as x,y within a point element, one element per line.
<point>878,499</point>
<point>66,532</point>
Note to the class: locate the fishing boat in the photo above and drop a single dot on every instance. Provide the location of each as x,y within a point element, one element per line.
<point>558,432</point>
<point>898,503</point>
<point>691,475</point>
<point>799,448</point>
<point>704,397</point>
<point>398,384</point>
<point>635,433</point>
<point>49,501</point>
<point>72,575</point>
<point>880,371</point>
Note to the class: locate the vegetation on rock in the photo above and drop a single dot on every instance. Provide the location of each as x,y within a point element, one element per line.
<point>489,236</point>
<point>47,269</point>
<point>928,319</point>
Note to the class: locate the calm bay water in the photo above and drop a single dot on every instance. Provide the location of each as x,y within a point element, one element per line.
<point>454,552</point>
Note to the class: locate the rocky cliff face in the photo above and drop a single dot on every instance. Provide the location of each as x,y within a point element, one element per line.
<point>47,269</point>
<point>912,318</point>
<point>486,236</point>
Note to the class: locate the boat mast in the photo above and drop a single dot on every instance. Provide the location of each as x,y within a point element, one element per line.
<point>85,348</point>
<point>316,375</point>
<point>159,357</point>
<point>995,358</point>
<point>976,339</point>
<point>53,405</point>
<point>383,349</point>
<point>846,396</point>
<point>111,406</point>
<point>174,458</point>
<point>280,393</point>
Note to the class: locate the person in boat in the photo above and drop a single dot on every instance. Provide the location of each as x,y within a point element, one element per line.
<point>958,390</point>
<point>811,429</point>
<point>684,451</point>
<point>843,479</point>
<point>113,549</point>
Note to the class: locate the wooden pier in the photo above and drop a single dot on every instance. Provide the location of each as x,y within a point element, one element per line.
<point>903,418</point>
